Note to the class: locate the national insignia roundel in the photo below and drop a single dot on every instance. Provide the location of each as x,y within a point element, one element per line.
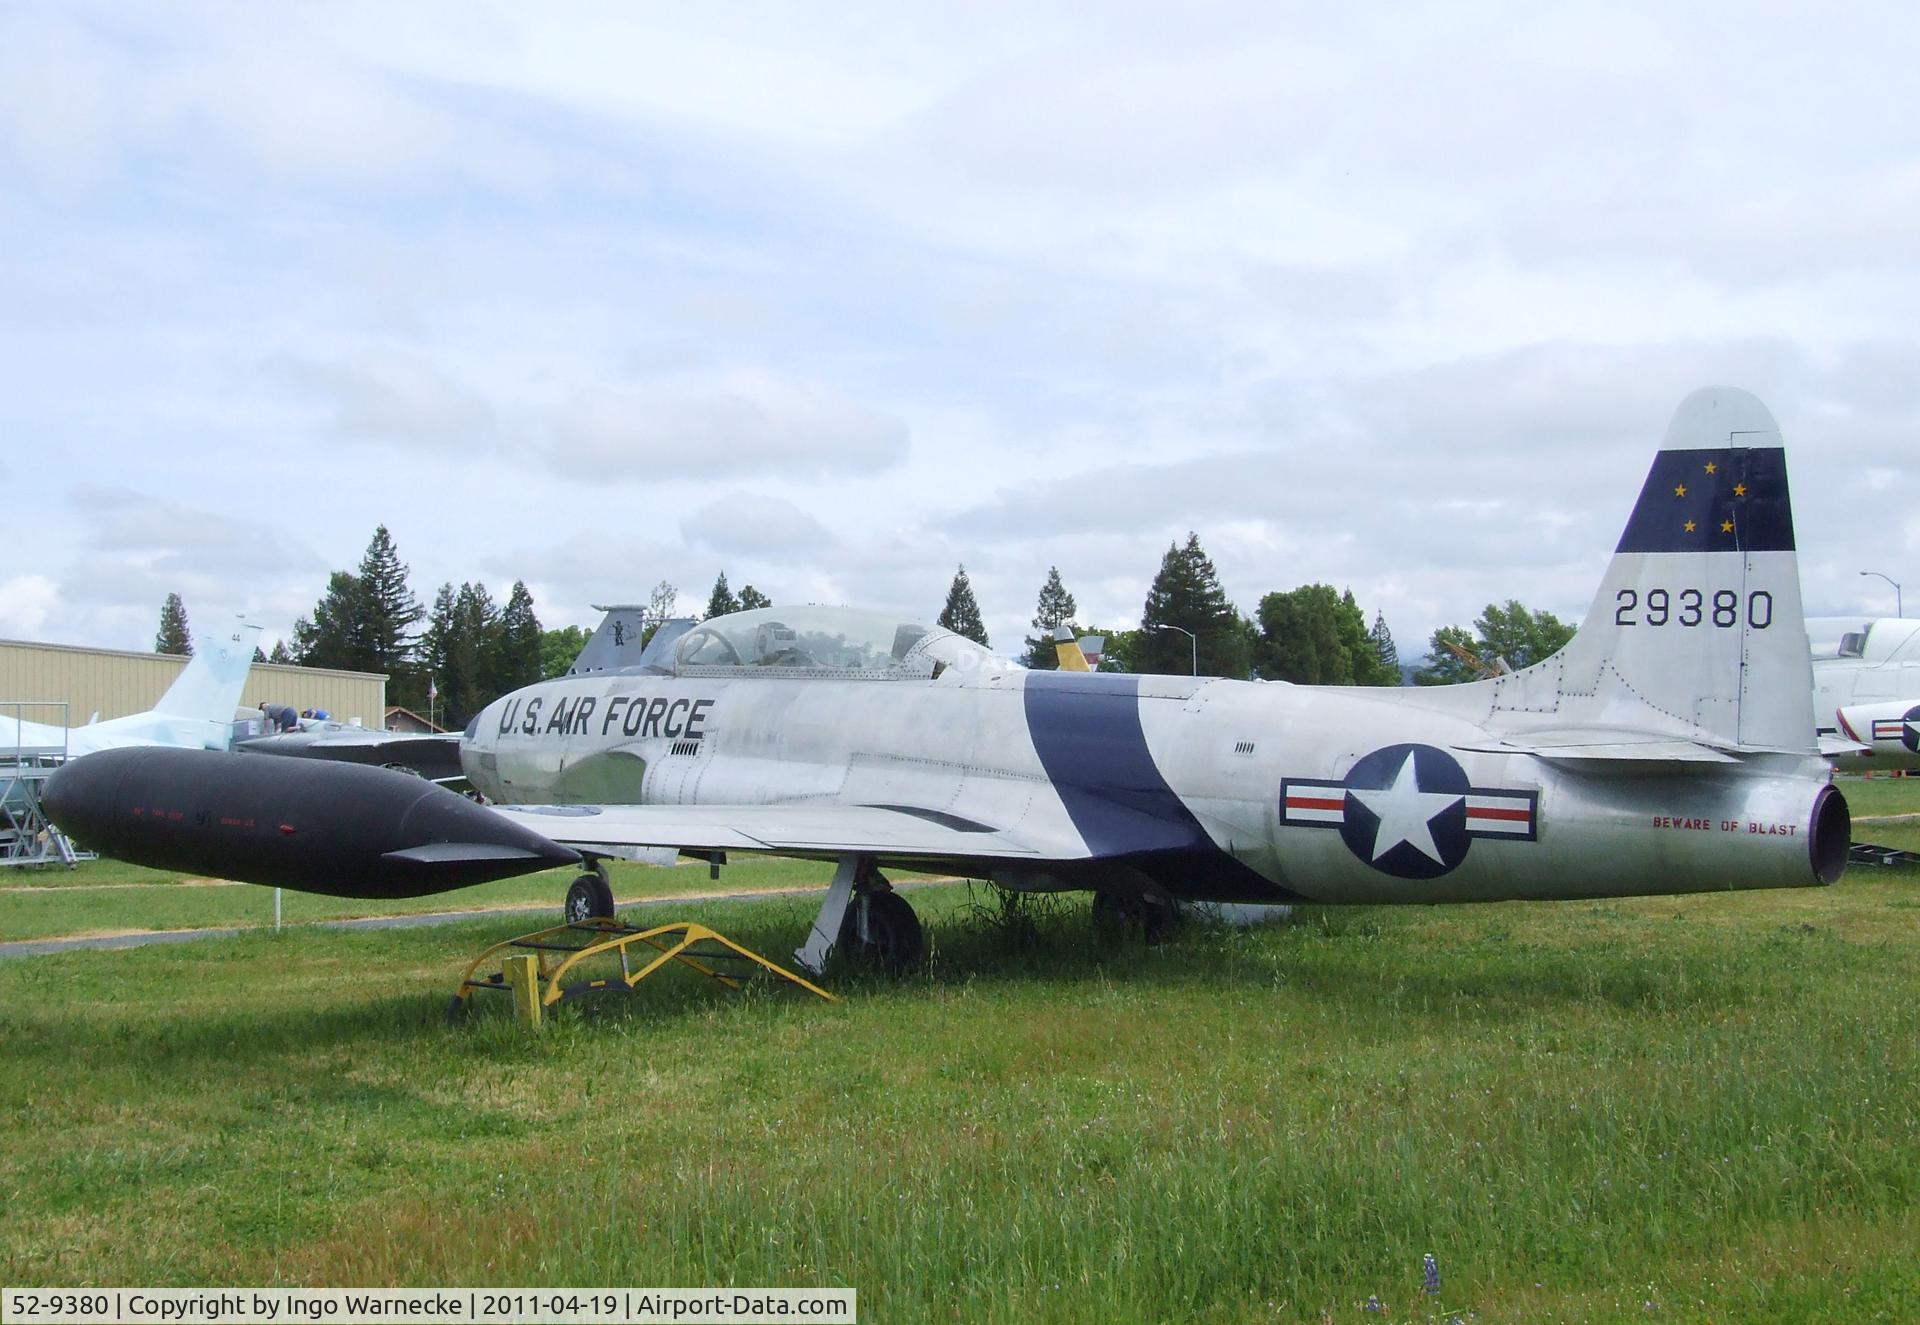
<point>1409,810</point>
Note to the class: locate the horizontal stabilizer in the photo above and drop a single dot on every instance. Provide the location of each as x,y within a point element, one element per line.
<point>1624,756</point>
<point>1832,747</point>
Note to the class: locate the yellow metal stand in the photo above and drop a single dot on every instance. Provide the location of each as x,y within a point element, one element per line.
<point>535,967</point>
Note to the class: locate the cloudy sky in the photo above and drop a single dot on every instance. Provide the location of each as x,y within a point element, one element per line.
<point>837,297</point>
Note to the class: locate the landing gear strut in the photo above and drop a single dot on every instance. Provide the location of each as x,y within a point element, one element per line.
<point>591,896</point>
<point>862,914</point>
<point>1154,918</point>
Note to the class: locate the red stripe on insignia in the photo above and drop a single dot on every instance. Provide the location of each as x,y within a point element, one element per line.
<point>1518,816</point>
<point>1315,803</point>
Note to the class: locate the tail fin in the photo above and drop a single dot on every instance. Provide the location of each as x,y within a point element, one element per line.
<point>1697,629</point>
<point>210,685</point>
<point>1067,651</point>
<point>617,643</point>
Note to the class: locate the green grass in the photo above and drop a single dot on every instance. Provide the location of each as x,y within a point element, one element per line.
<point>104,896</point>
<point>1873,799</point>
<point>1710,1104</point>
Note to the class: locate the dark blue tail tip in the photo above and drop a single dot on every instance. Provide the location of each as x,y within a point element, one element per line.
<point>1727,499</point>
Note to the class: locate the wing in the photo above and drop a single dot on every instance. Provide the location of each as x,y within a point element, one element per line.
<point>889,833</point>
<point>395,747</point>
<point>436,757</point>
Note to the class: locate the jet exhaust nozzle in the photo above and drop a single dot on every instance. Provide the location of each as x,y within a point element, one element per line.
<point>348,830</point>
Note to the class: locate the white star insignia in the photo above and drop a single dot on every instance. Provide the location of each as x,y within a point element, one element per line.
<point>1406,813</point>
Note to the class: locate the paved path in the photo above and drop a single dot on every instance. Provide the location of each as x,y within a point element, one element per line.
<point>143,938</point>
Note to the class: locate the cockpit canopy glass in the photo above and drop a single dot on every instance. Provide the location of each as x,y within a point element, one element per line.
<point>827,641</point>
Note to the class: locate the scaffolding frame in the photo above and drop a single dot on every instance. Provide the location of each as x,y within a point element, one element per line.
<point>27,837</point>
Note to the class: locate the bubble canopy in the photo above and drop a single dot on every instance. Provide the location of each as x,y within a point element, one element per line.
<point>827,641</point>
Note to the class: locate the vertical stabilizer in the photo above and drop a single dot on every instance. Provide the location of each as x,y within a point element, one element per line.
<point>615,643</point>
<point>210,685</point>
<point>621,641</point>
<point>1067,651</point>
<point>1697,629</point>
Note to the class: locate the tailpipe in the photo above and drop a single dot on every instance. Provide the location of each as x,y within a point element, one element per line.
<point>1829,834</point>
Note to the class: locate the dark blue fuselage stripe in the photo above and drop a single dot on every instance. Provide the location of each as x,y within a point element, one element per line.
<point>1086,728</point>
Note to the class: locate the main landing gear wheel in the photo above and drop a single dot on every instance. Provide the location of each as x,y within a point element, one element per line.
<point>1154,918</point>
<point>893,940</point>
<point>590,897</point>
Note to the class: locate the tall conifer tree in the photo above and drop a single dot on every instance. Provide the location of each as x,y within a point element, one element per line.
<point>517,652</point>
<point>1186,593</point>
<point>175,635</point>
<point>1384,649</point>
<point>721,601</point>
<point>961,615</point>
<point>335,636</point>
<point>392,612</point>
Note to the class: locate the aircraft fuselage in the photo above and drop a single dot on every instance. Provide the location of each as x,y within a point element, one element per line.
<point>1205,789</point>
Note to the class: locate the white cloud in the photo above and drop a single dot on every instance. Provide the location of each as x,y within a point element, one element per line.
<point>393,398</point>
<point>26,601</point>
<point>1399,300</point>
<point>768,528</point>
<point>744,422</point>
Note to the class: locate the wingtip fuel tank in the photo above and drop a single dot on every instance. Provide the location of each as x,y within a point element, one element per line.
<point>344,829</point>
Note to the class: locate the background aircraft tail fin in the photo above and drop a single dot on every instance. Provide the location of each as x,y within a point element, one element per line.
<point>1697,628</point>
<point>1068,653</point>
<point>616,642</point>
<point>621,640</point>
<point>211,683</point>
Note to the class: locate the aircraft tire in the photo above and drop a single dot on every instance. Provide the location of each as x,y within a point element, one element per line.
<point>1153,918</point>
<point>895,941</point>
<point>589,897</point>
<point>1162,918</point>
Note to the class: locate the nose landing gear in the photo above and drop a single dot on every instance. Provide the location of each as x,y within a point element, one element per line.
<point>591,896</point>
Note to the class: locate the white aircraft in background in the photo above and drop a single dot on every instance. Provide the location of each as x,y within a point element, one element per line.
<point>196,713</point>
<point>1866,691</point>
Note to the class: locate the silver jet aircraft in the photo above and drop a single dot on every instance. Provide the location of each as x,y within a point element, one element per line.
<point>1866,684</point>
<point>1669,748</point>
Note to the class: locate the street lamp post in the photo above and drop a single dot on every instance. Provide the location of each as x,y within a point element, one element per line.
<point>1898,608</point>
<point>1192,638</point>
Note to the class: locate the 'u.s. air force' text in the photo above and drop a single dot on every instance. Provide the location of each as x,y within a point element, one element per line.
<point>629,715</point>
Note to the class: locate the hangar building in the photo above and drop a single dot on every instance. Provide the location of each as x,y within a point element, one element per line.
<point>113,683</point>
